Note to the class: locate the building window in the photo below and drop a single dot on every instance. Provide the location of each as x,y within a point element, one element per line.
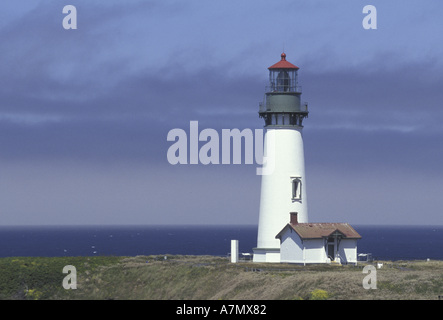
<point>296,188</point>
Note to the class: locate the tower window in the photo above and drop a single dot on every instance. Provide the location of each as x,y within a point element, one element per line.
<point>296,188</point>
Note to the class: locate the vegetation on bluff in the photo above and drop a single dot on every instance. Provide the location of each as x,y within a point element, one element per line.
<point>208,277</point>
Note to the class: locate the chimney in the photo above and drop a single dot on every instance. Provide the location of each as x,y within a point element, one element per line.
<point>294,219</point>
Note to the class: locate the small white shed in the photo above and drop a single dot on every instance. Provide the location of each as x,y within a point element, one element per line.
<point>318,242</point>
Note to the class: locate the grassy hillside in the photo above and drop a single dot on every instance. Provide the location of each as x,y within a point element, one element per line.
<point>207,277</point>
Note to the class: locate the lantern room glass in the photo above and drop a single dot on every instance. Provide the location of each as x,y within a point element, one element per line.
<point>283,80</point>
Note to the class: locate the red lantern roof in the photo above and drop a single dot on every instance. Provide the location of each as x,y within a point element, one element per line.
<point>283,64</point>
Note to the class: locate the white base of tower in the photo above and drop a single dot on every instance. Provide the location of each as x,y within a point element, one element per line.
<point>284,154</point>
<point>266,255</point>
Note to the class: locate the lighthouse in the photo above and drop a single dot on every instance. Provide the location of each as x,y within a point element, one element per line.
<point>283,185</point>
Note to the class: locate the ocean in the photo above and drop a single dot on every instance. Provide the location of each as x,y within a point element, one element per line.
<point>383,242</point>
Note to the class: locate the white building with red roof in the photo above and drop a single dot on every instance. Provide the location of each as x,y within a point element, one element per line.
<point>306,243</point>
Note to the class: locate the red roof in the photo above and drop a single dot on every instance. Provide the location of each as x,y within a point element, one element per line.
<point>283,64</point>
<point>321,230</point>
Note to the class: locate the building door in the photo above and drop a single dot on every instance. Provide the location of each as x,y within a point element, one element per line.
<point>331,249</point>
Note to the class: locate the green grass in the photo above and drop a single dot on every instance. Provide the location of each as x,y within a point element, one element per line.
<point>207,277</point>
<point>41,278</point>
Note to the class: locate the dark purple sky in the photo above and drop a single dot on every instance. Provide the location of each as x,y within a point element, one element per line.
<point>84,114</point>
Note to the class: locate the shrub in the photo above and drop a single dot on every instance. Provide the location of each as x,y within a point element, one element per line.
<point>319,294</point>
<point>33,294</point>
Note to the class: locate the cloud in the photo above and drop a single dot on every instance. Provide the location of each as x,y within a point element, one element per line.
<point>73,192</point>
<point>375,196</point>
<point>108,93</point>
<point>386,97</point>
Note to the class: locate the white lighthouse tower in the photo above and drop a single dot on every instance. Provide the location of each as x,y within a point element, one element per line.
<point>283,188</point>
